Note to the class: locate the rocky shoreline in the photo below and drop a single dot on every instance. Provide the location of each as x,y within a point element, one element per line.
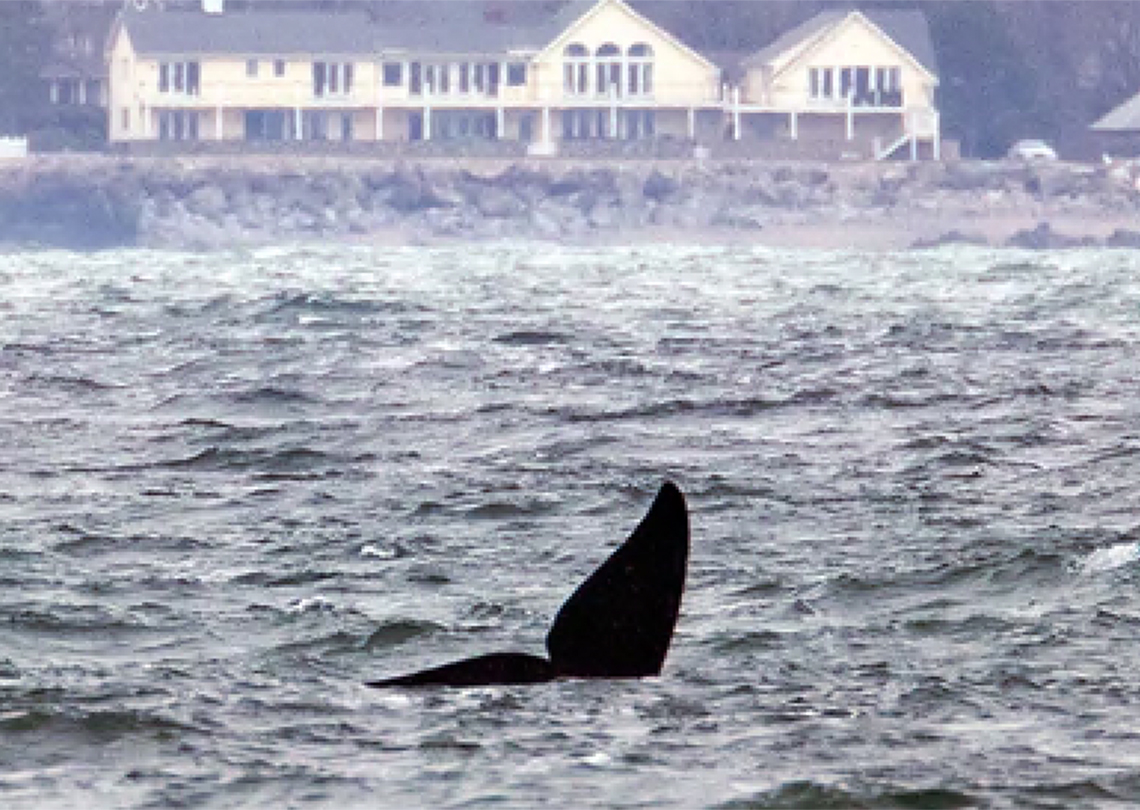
<point>202,203</point>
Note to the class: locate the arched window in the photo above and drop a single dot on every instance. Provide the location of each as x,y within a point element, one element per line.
<point>576,69</point>
<point>640,77</point>
<point>609,61</point>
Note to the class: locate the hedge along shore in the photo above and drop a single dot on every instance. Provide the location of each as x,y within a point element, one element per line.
<point>217,202</point>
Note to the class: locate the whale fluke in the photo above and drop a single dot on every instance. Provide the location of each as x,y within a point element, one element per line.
<point>617,624</point>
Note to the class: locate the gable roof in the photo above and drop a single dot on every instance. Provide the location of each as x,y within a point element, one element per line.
<point>578,12</point>
<point>908,30</point>
<point>438,27</point>
<point>464,27</point>
<point>798,38</point>
<point>249,33</point>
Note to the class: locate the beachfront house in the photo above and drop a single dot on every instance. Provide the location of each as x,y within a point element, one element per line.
<point>548,81</point>
<point>595,70</point>
<point>74,74</point>
<point>272,76</point>
<point>845,81</point>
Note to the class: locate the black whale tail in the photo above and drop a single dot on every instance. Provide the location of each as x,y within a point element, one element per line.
<point>617,624</point>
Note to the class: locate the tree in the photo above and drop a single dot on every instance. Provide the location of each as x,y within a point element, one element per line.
<point>988,93</point>
<point>25,45</point>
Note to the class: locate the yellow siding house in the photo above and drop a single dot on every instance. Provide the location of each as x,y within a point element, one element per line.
<point>594,70</point>
<point>844,77</point>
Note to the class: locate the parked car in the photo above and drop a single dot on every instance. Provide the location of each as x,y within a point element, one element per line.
<point>1032,149</point>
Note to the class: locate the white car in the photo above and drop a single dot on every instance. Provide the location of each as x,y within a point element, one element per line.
<point>1032,149</point>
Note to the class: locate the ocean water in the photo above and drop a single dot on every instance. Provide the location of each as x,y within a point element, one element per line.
<point>235,486</point>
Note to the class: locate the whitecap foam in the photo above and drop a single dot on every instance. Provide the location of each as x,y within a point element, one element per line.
<point>1111,558</point>
<point>310,604</point>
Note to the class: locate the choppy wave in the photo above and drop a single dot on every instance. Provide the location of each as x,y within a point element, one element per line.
<point>236,486</point>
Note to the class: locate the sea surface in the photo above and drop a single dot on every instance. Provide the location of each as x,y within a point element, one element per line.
<point>234,486</point>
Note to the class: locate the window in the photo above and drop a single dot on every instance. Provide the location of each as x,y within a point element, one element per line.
<point>846,82</point>
<point>640,79</point>
<point>447,124</point>
<point>251,68</point>
<point>279,68</point>
<point>576,124</point>
<point>65,91</point>
<point>465,78</point>
<point>179,77</point>
<point>332,78</point>
<point>576,69</point>
<point>178,125</point>
<point>493,79</point>
<point>393,74</point>
<point>637,124</point>
<point>888,79</point>
<point>821,85</point>
<point>314,125</point>
<point>609,70</point>
<point>516,74</point>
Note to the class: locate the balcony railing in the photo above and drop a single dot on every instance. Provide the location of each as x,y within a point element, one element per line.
<point>888,99</point>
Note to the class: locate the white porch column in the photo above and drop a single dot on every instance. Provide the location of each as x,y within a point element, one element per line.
<point>500,115</point>
<point>547,135</point>
<point>82,91</point>
<point>736,113</point>
<point>298,131</point>
<point>692,124</point>
<point>794,125</point>
<point>613,112</point>
<point>218,123</point>
<point>850,117</point>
